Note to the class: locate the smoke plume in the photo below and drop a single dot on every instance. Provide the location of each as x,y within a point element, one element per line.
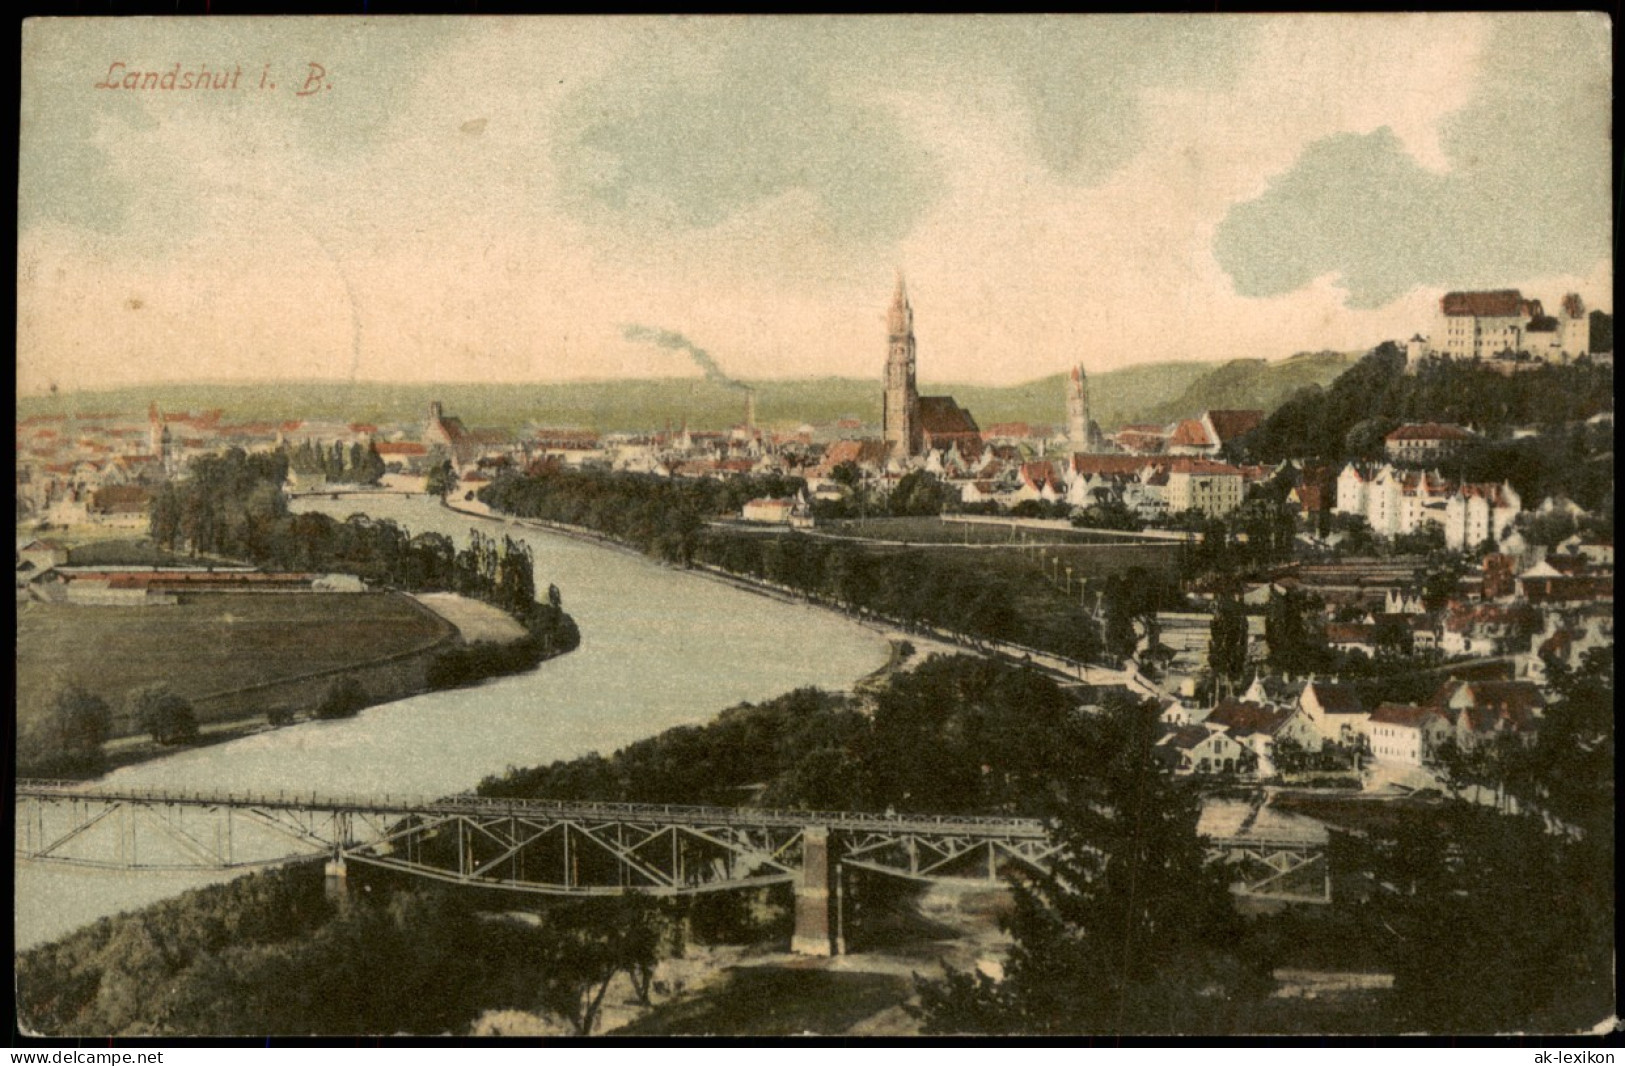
<point>666,338</point>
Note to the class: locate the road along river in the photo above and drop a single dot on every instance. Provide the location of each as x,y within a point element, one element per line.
<point>659,648</point>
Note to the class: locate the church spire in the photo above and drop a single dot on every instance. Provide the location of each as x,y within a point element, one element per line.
<point>900,401</point>
<point>1077,410</point>
<point>900,320</point>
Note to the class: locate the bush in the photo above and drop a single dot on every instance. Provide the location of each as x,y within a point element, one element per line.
<point>160,712</point>
<point>66,737</point>
<point>342,699</point>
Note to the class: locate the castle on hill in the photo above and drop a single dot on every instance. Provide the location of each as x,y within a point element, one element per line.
<point>1502,324</point>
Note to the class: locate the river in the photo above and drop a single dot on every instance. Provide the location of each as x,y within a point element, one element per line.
<point>659,648</point>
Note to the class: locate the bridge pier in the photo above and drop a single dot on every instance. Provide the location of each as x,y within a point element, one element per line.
<point>338,880</point>
<point>818,928</point>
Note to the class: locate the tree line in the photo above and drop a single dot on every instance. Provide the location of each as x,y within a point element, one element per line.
<point>232,505</point>
<point>958,734</point>
<point>667,518</point>
<point>270,953</point>
<point>1348,421</point>
<point>335,463</point>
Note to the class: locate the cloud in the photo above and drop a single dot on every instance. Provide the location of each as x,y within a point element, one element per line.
<point>680,142</point>
<point>674,145</point>
<point>1525,192</point>
<point>137,163</point>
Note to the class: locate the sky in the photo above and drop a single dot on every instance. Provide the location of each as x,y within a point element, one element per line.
<point>534,199</point>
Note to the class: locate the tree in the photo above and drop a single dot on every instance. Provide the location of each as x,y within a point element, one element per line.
<point>1227,648</point>
<point>343,698</point>
<point>582,947</point>
<point>1573,760</point>
<point>1108,514</point>
<point>159,711</point>
<point>1549,530</point>
<point>1292,633</point>
<point>919,493</point>
<point>1553,966</point>
<point>441,480</point>
<point>66,736</point>
<point>1130,931</point>
<point>1442,584</point>
<point>1392,638</point>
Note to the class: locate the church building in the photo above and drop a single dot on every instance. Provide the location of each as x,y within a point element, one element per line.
<point>1082,432</point>
<point>913,424</point>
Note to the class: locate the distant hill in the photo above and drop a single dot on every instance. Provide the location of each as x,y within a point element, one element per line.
<point>1157,392</point>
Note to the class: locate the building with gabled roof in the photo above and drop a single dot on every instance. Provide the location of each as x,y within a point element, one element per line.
<point>1196,749</point>
<point>1336,710</point>
<point>1189,437</point>
<point>1405,734</point>
<point>1213,488</point>
<point>1225,426</point>
<point>1425,442</point>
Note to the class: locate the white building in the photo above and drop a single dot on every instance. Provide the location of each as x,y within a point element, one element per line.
<point>1479,512</point>
<point>1405,735</point>
<point>1213,488</point>
<point>1482,325</point>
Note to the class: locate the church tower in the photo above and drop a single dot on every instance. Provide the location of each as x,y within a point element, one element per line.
<point>900,400</point>
<point>1077,410</point>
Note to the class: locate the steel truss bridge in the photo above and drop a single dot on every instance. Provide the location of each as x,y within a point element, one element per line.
<point>559,848</point>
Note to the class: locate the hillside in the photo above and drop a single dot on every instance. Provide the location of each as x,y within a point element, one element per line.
<point>1156,392</point>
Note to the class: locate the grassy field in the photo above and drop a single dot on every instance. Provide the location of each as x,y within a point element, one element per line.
<point>776,1002</point>
<point>207,644</point>
<point>136,552</point>
<point>1043,591</point>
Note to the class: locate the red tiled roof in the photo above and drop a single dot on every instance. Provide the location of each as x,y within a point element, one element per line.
<point>1516,697</point>
<point>1232,424</point>
<point>1016,429</point>
<point>940,416</point>
<point>863,452</point>
<point>1189,434</point>
<point>1403,714</point>
<point>1244,717</point>
<point>1202,467</point>
<point>1501,303</point>
<point>121,499</point>
<point>1185,736</point>
<point>1336,699</point>
<point>401,447</point>
<point>1429,431</point>
<point>1107,464</point>
<point>1040,474</point>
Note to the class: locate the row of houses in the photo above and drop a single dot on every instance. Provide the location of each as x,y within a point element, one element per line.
<point>1395,501</point>
<point>1248,734</point>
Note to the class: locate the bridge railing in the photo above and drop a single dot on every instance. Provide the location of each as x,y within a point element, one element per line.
<point>466,803</point>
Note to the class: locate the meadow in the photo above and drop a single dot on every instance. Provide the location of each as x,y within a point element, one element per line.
<point>208,643</point>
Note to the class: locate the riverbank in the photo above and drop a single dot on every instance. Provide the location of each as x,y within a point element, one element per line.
<point>1056,666</point>
<point>644,666</point>
<point>251,634</point>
